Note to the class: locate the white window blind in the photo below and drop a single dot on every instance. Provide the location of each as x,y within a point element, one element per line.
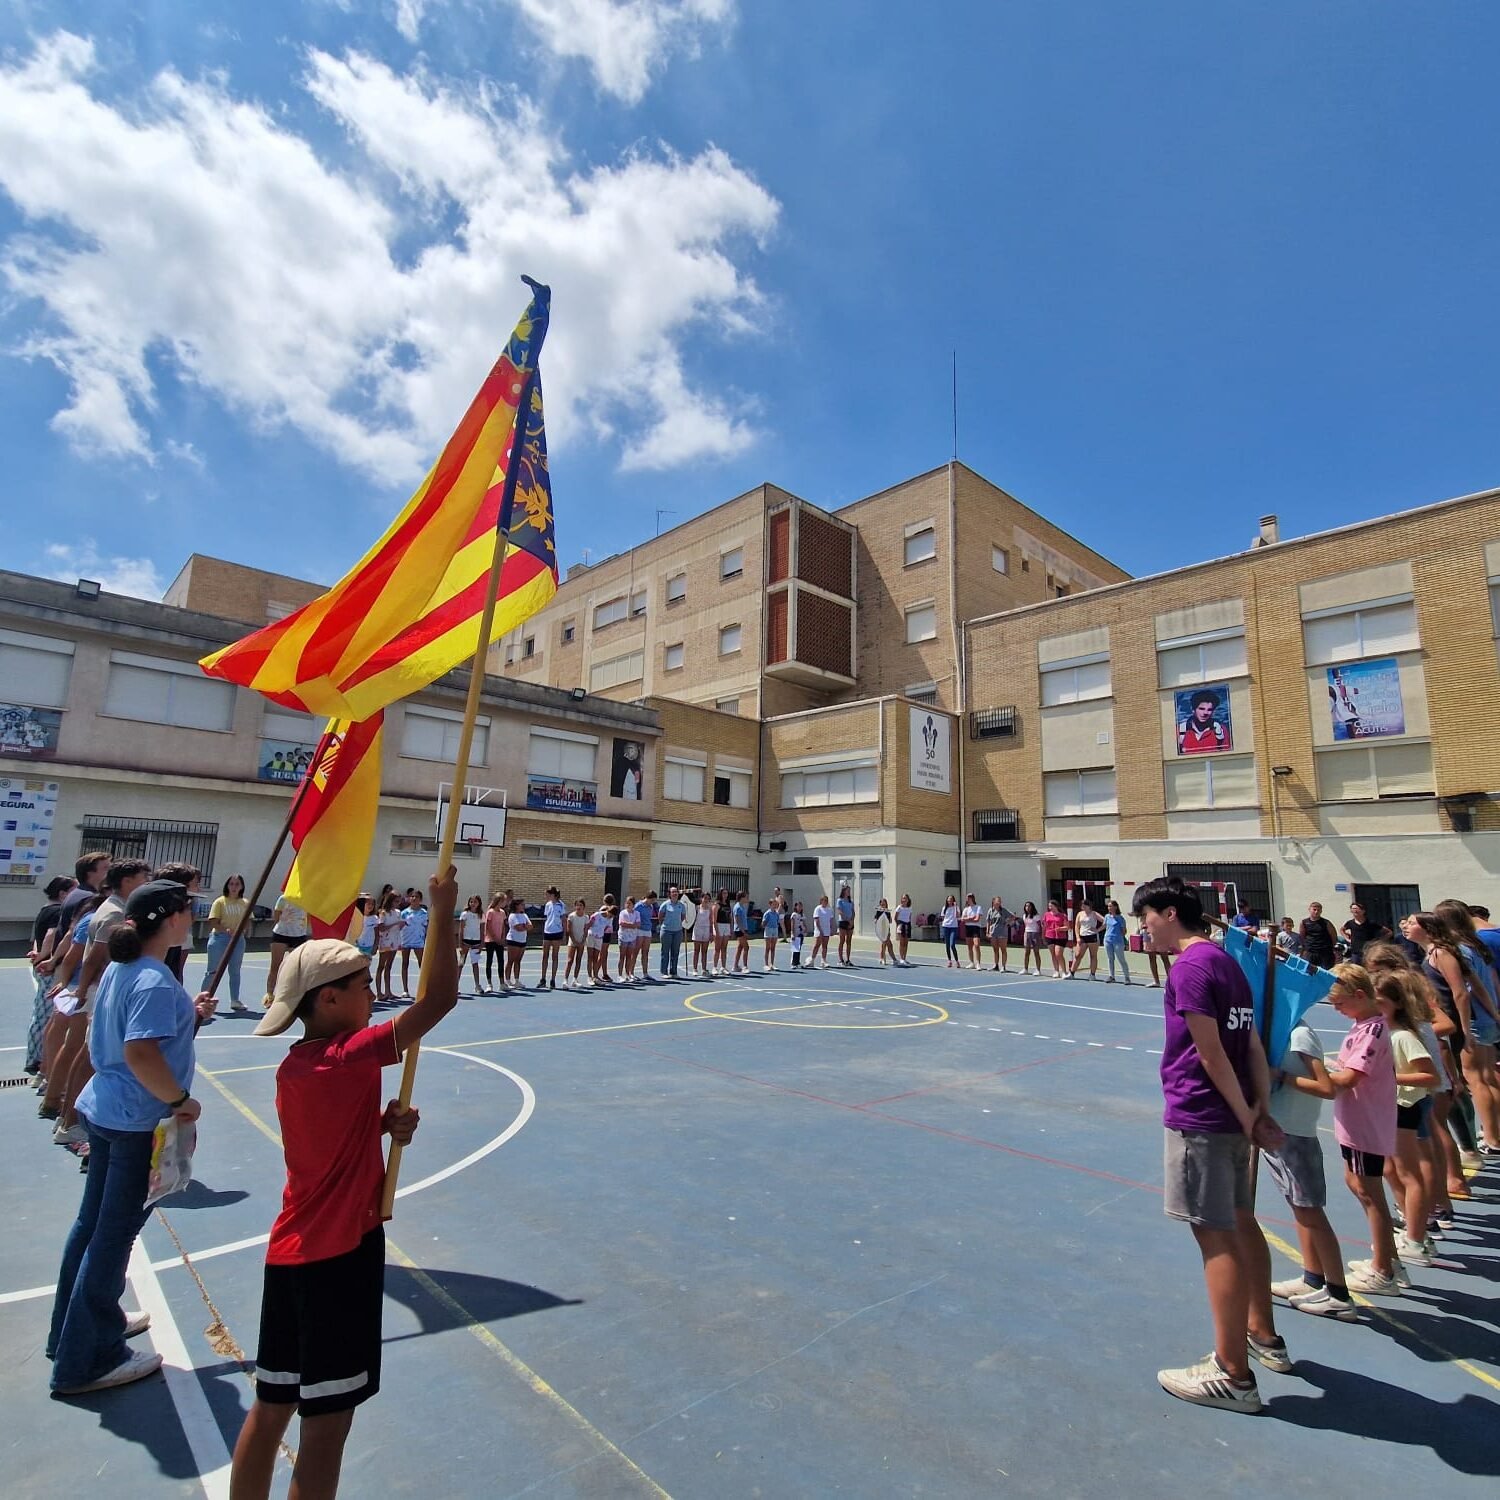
<point>727,705</point>
<point>1000,559</point>
<point>729,639</point>
<point>630,667</point>
<point>1212,781</point>
<point>638,603</point>
<point>1075,683</point>
<point>1201,661</point>
<point>920,545</point>
<point>1377,630</point>
<point>34,669</point>
<point>674,656</point>
<point>158,691</point>
<point>682,781</point>
<point>552,755</point>
<point>921,623</point>
<point>609,612</point>
<point>284,724</point>
<point>731,787</point>
<point>830,786</point>
<point>732,563</point>
<point>432,734</point>
<point>1077,793</point>
<point>676,587</point>
<point>1375,771</point>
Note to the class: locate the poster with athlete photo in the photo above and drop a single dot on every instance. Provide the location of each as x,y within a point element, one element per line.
<point>1364,698</point>
<point>625,769</point>
<point>1203,721</point>
<point>29,732</point>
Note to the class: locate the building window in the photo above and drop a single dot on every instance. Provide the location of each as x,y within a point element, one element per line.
<point>674,656</point>
<point>830,786</point>
<point>510,653</point>
<point>1495,605</point>
<point>637,604</point>
<point>684,877</point>
<point>922,692</point>
<point>921,544</point>
<point>564,757</point>
<point>34,669</point>
<point>1374,771</point>
<point>727,705</point>
<point>157,691</point>
<point>630,667</point>
<point>1370,630</point>
<point>996,825</point>
<point>1076,794</point>
<point>1210,781</point>
<point>731,787</point>
<point>1000,559</point>
<point>1185,664</point>
<point>569,631</point>
<point>992,723</point>
<point>413,843</point>
<point>159,841</point>
<point>432,734</point>
<point>732,563</point>
<point>921,623</point>
<point>723,879</point>
<point>528,646</point>
<point>610,612</point>
<point>677,592</point>
<point>1075,682</point>
<point>682,780</point>
<point>729,640</point>
<point>557,854</point>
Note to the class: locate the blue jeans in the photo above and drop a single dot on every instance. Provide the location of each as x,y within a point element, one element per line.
<point>671,947</point>
<point>87,1337</point>
<point>1115,953</point>
<point>950,937</point>
<point>217,943</point>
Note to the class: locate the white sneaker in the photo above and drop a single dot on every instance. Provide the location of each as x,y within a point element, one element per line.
<point>1206,1384</point>
<point>136,1366</point>
<point>1293,1287</point>
<point>1413,1253</point>
<point>69,1135</point>
<point>1323,1304</point>
<point>136,1324</point>
<point>1363,1277</point>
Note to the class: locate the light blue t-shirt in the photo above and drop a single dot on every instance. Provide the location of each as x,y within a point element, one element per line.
<point>646,915</point>
<point>672,914</point>
<point>770,922</point>
<point>414,934</point>
<point>1114,931</point>
<point>846,909</point>
<point>136,1002</point>
<point>741,917</point>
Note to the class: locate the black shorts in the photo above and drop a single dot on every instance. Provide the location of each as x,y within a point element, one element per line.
<point>973,932</point>
<point>904,928</point>
<point>512,943</point>
<point>846,926</point>
<point>1409,1116</point>
<point>288,942</point>
<point>1088,937</point>
<point>1363,1163</point>
<point>320,1331</point>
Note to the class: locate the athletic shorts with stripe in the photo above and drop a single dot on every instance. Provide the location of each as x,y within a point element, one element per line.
<point>320,1331</point>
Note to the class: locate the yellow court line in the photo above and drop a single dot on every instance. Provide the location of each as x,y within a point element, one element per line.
<point>471,1325</point>
<point>1293,1254</point>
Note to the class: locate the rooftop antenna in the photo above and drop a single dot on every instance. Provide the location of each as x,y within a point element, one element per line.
<point>955,406</point>
<point>660,512</point>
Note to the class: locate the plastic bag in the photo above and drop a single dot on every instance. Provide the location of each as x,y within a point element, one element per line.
<point>172,1150</point>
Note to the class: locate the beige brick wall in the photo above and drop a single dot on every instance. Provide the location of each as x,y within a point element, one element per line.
<point>235,592</point>
<point>724,738</point>
<point>907,806</point>
<point>1445,545</point>
<point>834,732</point>
<point>510,869</point>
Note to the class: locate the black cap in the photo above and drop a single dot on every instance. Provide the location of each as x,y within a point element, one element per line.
<point>157,899</point>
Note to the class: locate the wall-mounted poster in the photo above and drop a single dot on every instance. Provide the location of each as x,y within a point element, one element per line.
<point>29,732</point>
<point>931,751</point>
<point>283,760</point>
<point>562,794</point>
<point>1203,722</point>
<point>625,769</point>
<point>27,811</point>
<point>1364,698</point>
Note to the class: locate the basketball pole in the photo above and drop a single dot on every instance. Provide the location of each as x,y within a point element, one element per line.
<point>461,763</point>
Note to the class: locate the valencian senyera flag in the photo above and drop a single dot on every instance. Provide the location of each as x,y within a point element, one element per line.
<point>409,611</point>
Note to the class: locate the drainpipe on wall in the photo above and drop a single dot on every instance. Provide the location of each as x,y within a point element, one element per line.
<point>958,638</point>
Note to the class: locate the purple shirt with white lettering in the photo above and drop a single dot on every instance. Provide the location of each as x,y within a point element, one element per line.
<point>1206,980</point>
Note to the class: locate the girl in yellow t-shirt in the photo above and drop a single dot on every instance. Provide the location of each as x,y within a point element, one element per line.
<point>224,918</point>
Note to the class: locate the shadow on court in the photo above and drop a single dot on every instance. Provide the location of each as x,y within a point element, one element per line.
<point>199,1195</point>
<point>478,1299</point>
<point>143,1414</point>
<point>1461,1433</point>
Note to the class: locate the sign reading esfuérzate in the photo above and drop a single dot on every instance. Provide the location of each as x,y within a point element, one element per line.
<point>931,751</point>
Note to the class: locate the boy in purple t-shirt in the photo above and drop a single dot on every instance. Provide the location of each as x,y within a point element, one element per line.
<point>1364,1122</point>
<point>1217,1088</point>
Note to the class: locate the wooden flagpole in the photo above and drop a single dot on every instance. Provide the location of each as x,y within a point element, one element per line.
<point>251,897</point>
<point>461,761</point>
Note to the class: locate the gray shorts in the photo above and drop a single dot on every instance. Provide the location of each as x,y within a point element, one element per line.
<point>1207,1177</point>
<point>1298,1170</point>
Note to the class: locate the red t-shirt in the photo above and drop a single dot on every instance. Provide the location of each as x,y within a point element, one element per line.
<point>328,1102</point>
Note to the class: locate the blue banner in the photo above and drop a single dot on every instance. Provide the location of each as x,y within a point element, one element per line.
<point>1299,987</point>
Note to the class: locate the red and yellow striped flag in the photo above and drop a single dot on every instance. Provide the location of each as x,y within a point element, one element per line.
<point>409,610</point>
<point>335,820</point>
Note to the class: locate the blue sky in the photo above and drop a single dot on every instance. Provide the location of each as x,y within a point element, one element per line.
<point>1198,262</point>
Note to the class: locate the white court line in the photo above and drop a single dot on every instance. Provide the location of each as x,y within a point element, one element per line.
<point>205,1440</point>
<point>991,994</point>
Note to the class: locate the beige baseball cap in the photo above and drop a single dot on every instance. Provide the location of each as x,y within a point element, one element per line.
<point>317,962</point>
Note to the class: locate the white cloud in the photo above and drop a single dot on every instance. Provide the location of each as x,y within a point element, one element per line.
<point>409,15</point>
<point>192,226</point>
<point>136,576</point>
<point>625,42</point>
<point>185,453</point>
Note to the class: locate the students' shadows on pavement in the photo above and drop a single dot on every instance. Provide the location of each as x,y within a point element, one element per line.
<point>143,1413</point>
<point>478,1299</point>
<point>1461,1433</point>
<point>199,1195</point>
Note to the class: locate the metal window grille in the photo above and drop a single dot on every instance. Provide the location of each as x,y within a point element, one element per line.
<point>1251,882</point>
<point>995,825</point>
<point>728,880</point>
<point>992,723</point>
<point>684,877</point>
<point>158,841</point>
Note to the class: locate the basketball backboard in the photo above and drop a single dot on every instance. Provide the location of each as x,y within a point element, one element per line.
<point>480,823</point>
